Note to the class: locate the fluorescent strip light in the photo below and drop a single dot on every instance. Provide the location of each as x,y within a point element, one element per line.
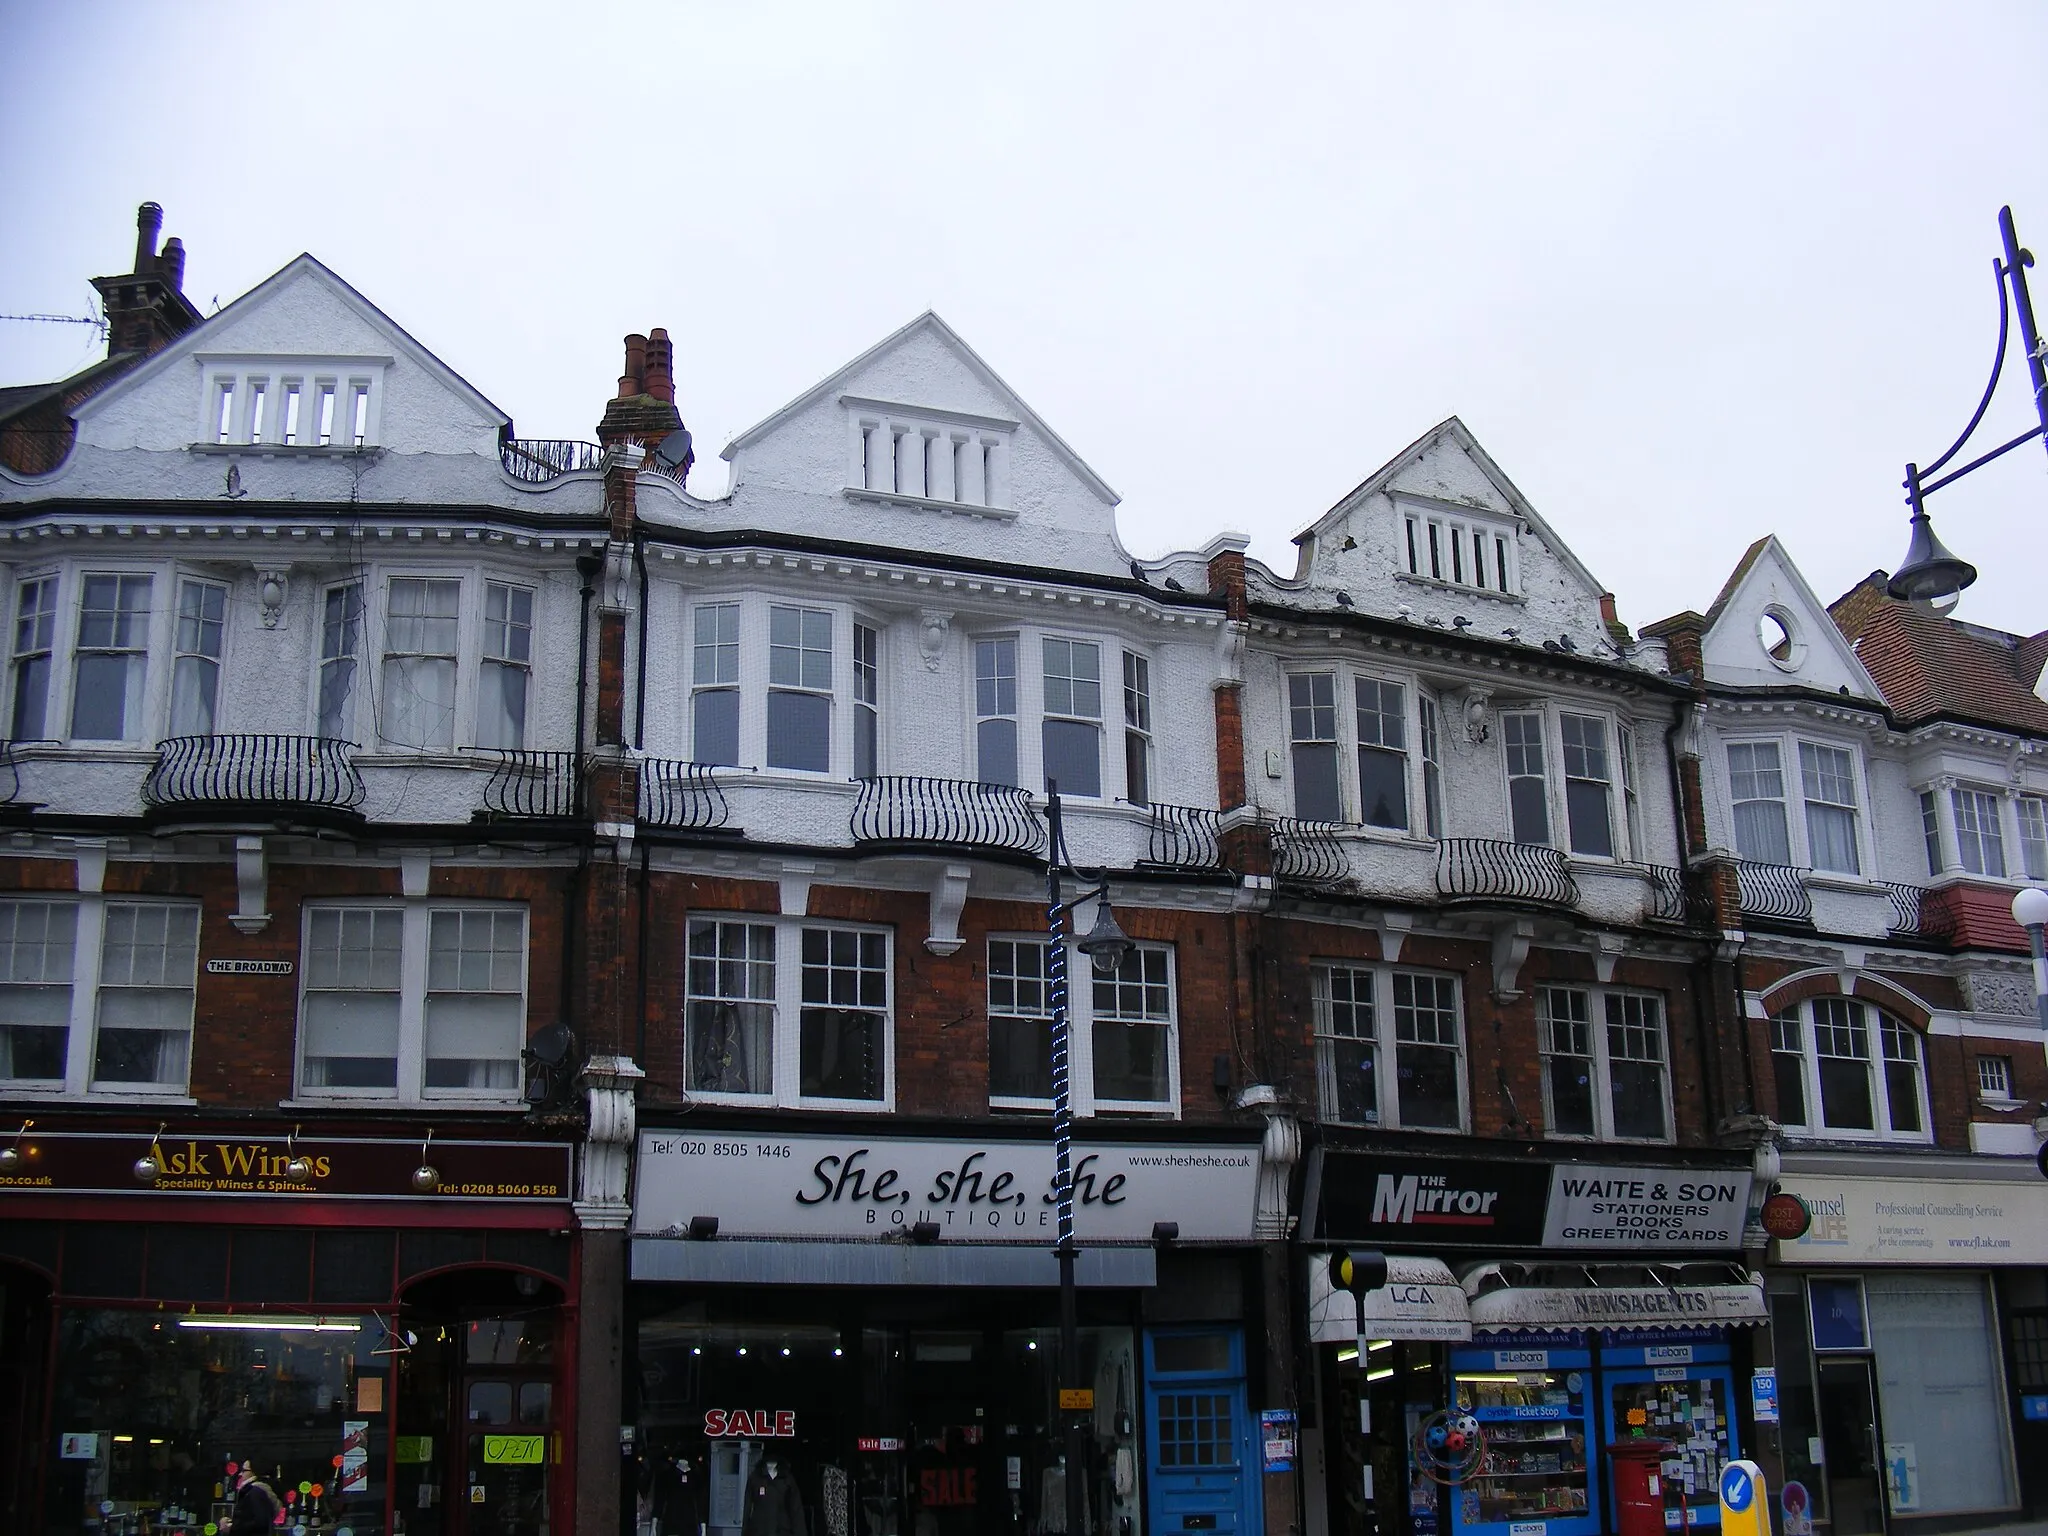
<point>1508,1378</point>
<point>1349,1353</point>
<point>270,1324</point>
<point>1380,1375</point>
<point>1376,1345</point>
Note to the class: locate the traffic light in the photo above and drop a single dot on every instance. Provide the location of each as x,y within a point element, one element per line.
<point>1358,1270</point>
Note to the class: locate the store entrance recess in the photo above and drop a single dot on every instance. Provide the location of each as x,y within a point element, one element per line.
<point>1202,1471</point>
<point>1848,1429</point>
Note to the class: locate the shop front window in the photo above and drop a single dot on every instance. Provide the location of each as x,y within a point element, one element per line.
<point>151,1409</point>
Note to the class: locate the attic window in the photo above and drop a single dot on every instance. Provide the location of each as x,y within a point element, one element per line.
<point>909,455</point>
<point>292,403</point>
<point>1461,549</point>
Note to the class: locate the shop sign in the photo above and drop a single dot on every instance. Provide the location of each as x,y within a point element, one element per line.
<point>1606,1306</point>
<point>875,1443</point>
<point>74,1162</point>
<point>1077,1399</point>
<point>2034,1406</point>
<point>757,1424</point>
<point>515,1450</point>
<point>1919,1221</point>
<point>1785,1217</point>
<point>1421,1300</point>
<point>816,1185</point>
<point>78,1446</point>
<point>248,967</point>
<point>1448,1203</point>
<point>1647,1209</point>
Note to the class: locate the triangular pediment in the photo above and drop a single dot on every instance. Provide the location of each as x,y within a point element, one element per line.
<point>1767,629</point>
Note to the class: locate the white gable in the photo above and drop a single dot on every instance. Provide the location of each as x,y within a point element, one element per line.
<point>918,444</point>
<point>1769,630</point>
<point>305,328</point>
<point>1440,535</point>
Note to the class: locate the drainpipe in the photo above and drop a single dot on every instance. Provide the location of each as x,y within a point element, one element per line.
<point>640,666</point>
<point>1702,1008</point>
<point>587,568</point>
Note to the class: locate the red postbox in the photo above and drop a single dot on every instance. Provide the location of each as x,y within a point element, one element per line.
<point>1638,1486</point>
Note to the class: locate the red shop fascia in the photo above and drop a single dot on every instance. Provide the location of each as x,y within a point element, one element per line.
<point>436,1274</point>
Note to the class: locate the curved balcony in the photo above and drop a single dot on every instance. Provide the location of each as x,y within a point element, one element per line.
<point>916,812</point>
<point>1916,913</point>
<point>681,795</point>
<point>1488,869</point>
<point>534,786</point>
<point>1184,837</point>
<point>236,776</point>
<point>537,460</point>
<point>1773,893</point>
<point>1670,897</point>
<point>1307,853</point>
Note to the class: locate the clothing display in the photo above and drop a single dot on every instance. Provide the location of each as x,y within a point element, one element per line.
<point>832,1497</point>
<point>774,1506</point>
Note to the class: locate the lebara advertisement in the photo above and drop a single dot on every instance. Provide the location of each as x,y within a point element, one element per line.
<point>1914,1221</point>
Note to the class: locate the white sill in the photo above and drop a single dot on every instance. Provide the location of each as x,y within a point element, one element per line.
<point>930,504</point>
<point>385,1105</point>
<point>1836,880</point>
<point>1458,588</point>
<point>2001,1104</point>
<point>812,1106</point>
<point>94,1096</point>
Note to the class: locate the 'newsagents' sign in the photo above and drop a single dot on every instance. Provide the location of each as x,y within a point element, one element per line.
<point>763,1185</point>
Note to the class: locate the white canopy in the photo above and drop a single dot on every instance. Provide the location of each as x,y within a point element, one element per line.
<point>1421,1300</point>
<point>1592,1305</point>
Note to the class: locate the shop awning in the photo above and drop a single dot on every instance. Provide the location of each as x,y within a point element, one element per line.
<point>1601,1296</point>
<point>1421,1300</point>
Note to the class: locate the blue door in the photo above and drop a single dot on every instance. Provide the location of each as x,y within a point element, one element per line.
<point>1201,1468</point>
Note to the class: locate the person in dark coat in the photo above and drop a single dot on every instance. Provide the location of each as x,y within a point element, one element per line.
<point>774,1507</point>
<point>256,1506</point>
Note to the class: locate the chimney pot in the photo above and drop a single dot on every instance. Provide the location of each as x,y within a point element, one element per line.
<point>149,218</point>
<point>636,367</point>
<point>661,366</point>
<point>173,263</point>
<point>1607,607</point>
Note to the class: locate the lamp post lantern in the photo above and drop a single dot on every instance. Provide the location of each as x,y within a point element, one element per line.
<point>2030,911</point>
<point>1105,945</point>
<point>1929,571</point>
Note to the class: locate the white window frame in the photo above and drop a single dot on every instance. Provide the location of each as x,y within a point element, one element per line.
<point>1344,686</point>
<point>1599,1054</point>
<point>354,384</point>
<point>1447,559</point>
<point>1792,773</point>
<point>1876,1020</point>
<point>1994,1079</point>
<point>39,632</point>
<point>1081,1022</point>
<point>1980,795</point>
<point>786,1017</point>
<point>1386,1041</point>
<point>411,1090</point>
<point>753,685</point>
<point>1140,744</point>
<point>81,1044</point>
<point>2031,814</point>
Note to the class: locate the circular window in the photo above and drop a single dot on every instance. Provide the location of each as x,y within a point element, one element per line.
<point>1778,634</point>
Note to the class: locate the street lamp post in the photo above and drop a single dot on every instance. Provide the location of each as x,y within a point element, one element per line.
<point>2030,911</point>
<point>1105,945</point>
<point>1929,571</point>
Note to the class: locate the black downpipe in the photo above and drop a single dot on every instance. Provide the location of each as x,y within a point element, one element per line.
<point>587,567</point>
<point>640,962</point>
<point>646,852</point>
<point>1703,995</point>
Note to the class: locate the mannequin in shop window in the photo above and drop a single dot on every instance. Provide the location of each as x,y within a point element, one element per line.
<point>774,1507</point>
<point>1052,1503</point>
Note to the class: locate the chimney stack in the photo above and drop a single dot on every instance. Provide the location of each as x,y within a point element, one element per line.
<point>659,378</point>
<point>172,263</point>
<point>630,387</point>
<point>149,218</point>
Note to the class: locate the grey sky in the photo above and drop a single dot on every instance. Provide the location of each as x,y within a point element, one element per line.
<point>1691,274</point>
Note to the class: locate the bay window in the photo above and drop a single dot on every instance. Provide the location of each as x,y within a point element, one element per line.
<point>414,1001</point>
<point>421,623</point>
<point>506,671</point>
<point>1528,782</point>
<point>867,686</point>
<point>787,1012</point>
<point>35,636</point>
<point>112,658</point>
<point>195,668</point>
<point>799,689</point>
<point>715,685</point>
<point>2033,812</point>
<point>1312,725</point>
<point>1122,1033</point>
<point>1844,1068</point>
<point>1432,767</point>
<point>786,685</point>
<point>1137,729</point>
<point>341,643</point>
<point>1828,775</point>
<point>1588,785</point>
<point>995,710</point>
<point>1605,1064</point>
<point>1756,783</point>
<point>1824,834</point>
<point>1389,1047</point>
<point>1072,721</point>
<point>1980,840</point>
<point>1382,753</point>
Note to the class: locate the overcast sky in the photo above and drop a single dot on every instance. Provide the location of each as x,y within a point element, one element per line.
<point>1691,274</point>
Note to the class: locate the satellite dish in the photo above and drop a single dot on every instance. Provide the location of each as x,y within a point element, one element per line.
<point>674,455</point>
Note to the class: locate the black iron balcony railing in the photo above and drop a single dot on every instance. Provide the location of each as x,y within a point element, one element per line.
<point>679,794</point>
<point>10,773</point>
<point>308,771</point>
<point>1915,915</point>
<point>1184,837</point>
<point>1307,852</point>
<point>1484,867</point>
<point>536,786</point>
<point>952,813</point>
<point>1773,892</point>
<point>538,460</point>
<point>1670,898</point>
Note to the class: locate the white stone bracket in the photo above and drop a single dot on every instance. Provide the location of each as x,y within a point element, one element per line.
<point>949,899</point>
<point>252,886</point>
<point>1511,940</point>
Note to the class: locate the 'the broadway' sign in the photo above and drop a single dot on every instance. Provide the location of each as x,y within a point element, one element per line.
<point>809,1185</point>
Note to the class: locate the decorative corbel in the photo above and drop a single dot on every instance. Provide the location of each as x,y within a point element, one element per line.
<point>1511,940</point>
<point>796,888</point>
<point>273,586</point>
<point>932,629</point>
<point>1474,708</point>
<point>1230,646</point>
<point>1393,929</point>
<point>252,884</point>
<point>1605,949</point>
<point>949,898</point>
